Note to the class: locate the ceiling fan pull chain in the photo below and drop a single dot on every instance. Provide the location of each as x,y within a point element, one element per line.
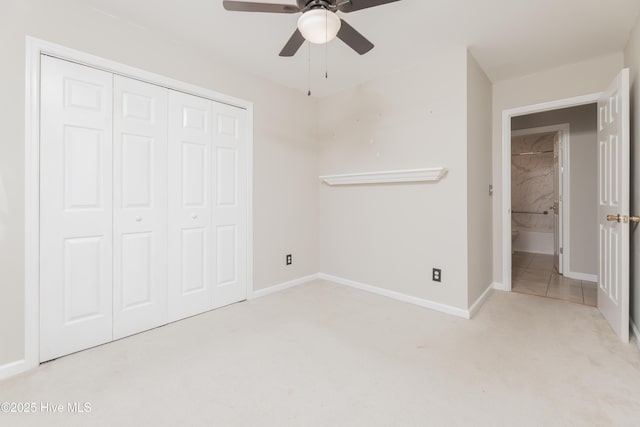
<point>326,62</point>
<point>309,70</point>
<point>326,42</point>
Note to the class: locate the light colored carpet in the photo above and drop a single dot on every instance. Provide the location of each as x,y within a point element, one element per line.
<point>325,355</point>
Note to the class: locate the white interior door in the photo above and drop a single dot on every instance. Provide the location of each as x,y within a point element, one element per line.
<point>140,206</point>
<point>613,209</point>
<point>75,208</point>
<point>190,236</point>
<point>230,158</point>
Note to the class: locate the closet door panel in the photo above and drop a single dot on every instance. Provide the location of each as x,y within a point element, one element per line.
<point>194,173</point>
<point>230,157</point>
<point>75,208</point>
<point>82,277</point>
<point>140,206</point>
<point>194,260</point>
<point>190,235</point>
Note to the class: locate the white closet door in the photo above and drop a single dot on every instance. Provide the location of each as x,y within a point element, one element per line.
<point>75,208</point>
<point>230,157</point>
<point>190,248</point>
<point>140,207</point>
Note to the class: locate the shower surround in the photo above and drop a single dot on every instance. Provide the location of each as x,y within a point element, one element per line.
<point>532,191</point>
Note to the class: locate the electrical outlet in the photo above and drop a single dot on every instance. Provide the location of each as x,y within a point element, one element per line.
<point>289,259</point>
<point>437,275</point>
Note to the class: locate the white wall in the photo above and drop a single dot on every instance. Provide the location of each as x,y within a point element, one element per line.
<point>558,83</point>
<point>285,174</point>
<point>632,60</point>
<point>583,180</point>
<point>533,242</point>
<point>391,236</point>
<point>478,179</point>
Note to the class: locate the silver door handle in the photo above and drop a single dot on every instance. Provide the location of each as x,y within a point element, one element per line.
<point>138,218</point>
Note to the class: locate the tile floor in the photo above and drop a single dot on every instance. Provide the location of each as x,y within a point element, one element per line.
<point>534,274</point>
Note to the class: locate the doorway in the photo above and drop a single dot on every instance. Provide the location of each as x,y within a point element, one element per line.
<point>552,236</point>
<point>554,215</point>
<point>539,193</point>
<point>613,179</point>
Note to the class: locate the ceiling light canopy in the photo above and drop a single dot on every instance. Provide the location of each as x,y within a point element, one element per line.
<point>319,25</point>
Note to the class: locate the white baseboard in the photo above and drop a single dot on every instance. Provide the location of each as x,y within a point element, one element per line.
<point>581,276</point>
<point>282,286</point>
<point>444,308</point>
<point>481,299</point>
<point>11,369</point>
<point>448,309</point>
<point>635,332</point>
<point>499,286</point>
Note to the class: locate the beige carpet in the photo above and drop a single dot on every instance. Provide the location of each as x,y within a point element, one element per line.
<point>326,355</point>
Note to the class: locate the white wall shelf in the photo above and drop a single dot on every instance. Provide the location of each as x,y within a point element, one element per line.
<point>386,177</point>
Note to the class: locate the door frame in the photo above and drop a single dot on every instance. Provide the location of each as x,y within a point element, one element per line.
<point>564,133</point>
<point>35,48</point>
<point>505,215</point>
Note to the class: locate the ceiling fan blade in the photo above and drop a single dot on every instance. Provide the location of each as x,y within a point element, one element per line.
<point>293,44</point>
<point>347,6</point>
<point>246,6</point>
<point>354,39</point>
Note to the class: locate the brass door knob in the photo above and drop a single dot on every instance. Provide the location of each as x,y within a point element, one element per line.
<point>616,218</point>
<point>634,218</point>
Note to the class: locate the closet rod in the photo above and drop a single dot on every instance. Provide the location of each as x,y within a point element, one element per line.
<point>532,153</point>
<point>531,213</point>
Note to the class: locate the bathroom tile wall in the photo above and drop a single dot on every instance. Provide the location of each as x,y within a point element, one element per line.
<point>532,182</point>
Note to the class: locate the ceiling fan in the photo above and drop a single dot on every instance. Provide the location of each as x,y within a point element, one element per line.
<point>318,23</point>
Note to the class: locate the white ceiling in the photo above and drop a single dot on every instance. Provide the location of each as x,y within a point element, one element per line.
<point>509,38</point>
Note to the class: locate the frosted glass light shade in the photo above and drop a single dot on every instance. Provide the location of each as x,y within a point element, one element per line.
<point>319,25</point>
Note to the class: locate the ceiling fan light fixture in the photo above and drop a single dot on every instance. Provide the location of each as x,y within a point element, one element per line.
<point>319,25</point>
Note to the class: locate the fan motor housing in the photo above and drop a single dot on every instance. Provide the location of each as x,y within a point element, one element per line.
<point>306,5</point>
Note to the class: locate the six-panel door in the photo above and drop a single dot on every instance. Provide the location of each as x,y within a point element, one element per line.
<point>190,237</point>
<point>75,208</point>
<point>613,204</point>
<point>229,204</point>
<point>140,206</point>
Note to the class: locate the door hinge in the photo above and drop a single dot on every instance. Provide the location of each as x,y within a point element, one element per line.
<point>561,251</point>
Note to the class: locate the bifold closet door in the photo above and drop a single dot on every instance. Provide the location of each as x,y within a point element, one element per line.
<point>190,237</point>
<point>140,206</point>
<point>143,206</point>
<point>75,208</point>
<point>230,160</point>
